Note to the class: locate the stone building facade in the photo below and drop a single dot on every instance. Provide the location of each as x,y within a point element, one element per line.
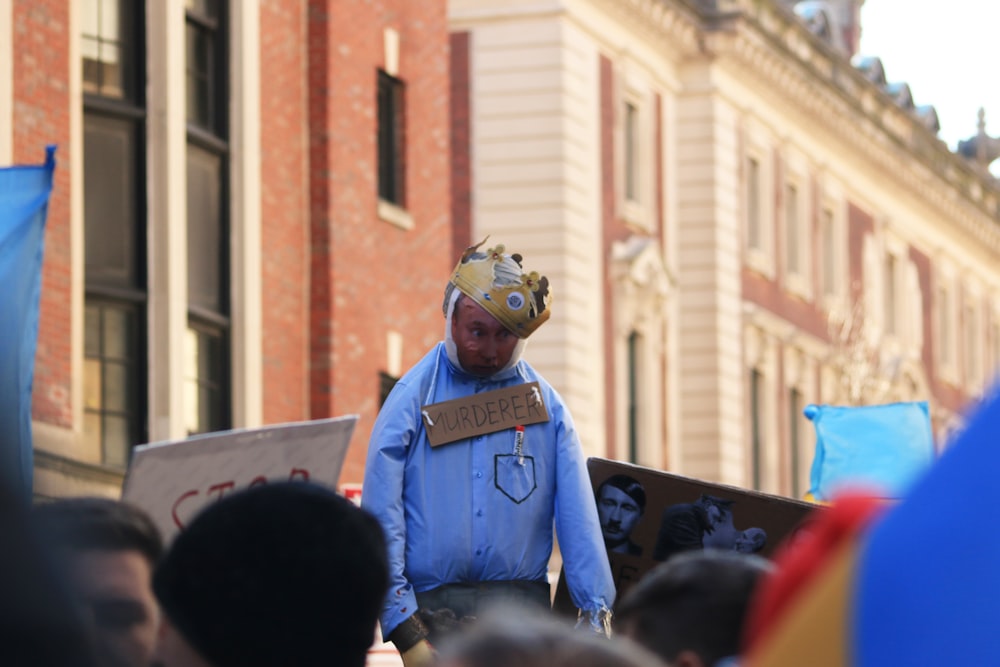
<point>742,215</point>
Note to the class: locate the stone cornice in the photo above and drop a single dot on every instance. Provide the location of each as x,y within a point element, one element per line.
<point>770,45</point>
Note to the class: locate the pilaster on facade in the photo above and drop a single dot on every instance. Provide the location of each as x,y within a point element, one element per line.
<point>535,165</point>
<point>167,220</point>
<point>709,278</point>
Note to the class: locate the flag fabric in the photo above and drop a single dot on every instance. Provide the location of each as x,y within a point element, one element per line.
<point>24,198</point>
<point>913,583</point>
<point>882,448</point>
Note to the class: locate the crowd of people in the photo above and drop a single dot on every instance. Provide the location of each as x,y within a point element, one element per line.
<point>448,553</point>
<point>291,573</point>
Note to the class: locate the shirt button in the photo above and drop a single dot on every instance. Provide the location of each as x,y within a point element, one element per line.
<point>479,512</point>
<point>479,473</point>
<point>479,552</point>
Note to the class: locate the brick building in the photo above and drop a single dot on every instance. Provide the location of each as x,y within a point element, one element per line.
<point>251,217</point>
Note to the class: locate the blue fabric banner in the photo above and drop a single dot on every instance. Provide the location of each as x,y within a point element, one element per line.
<point>24,198</point>
<point>878,448</point>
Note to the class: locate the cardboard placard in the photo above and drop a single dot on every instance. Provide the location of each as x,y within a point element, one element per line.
<point>173,480</point>
<point>488,412</point>
<point>673,520</point>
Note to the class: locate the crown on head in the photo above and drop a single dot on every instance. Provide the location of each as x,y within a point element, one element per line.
<point>496,281</point>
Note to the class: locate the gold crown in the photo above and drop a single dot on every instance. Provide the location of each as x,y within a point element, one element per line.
<point>518,300</point>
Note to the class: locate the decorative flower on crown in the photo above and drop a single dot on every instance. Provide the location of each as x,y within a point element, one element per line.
<point>531,280</point>
<point>496,254</point>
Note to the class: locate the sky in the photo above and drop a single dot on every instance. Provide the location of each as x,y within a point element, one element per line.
<point>947,53</point>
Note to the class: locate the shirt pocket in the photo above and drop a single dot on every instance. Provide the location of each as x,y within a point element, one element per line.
<point>514,480</point>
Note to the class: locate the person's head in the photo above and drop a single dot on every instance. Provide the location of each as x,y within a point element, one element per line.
<point>511,637</point>
<point>690,609</point>
<point>107,549</point>
<point>751,540</point>
<point>283,573</point>
<point>621,501</point>
<point>491,307</point>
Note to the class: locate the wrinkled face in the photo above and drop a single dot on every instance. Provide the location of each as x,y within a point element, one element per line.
<point>114,588</point>
<point>618,514</point>
<point>484,345</point>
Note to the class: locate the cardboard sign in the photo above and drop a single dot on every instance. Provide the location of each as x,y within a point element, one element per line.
<point>173,480</point>
<point>649,515</point>
<point>479,414</point>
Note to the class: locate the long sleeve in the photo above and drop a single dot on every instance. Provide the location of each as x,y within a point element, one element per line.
<point>382,495</point>
<point>585,559</point>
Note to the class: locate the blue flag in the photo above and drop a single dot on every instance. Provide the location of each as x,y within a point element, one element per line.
<point>881,448</point>
<point>24,198</point>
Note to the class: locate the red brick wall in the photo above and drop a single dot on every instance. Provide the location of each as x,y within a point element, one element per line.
<point>368,276</point>
<point>284,211</point>
<point>41,116</point>
<point>461,146</point>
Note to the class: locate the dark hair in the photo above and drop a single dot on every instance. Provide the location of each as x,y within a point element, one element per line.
<point>97,523</point>
<point>516,637</point>
<point>695,601</point>
<point>284,573</point>
<point>627,485</point>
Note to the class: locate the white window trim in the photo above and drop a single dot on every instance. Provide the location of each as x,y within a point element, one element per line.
<point>897,249</point>
<point>760,258</point>
<point>833,201</point>
<point>798,281</point>
<point>636,90</point>
<point>167,243</point>
<point>642,288</point>
<point>947,368</point>
<point>800,375</point>
<point>761,354</point>
<point>973,374</point>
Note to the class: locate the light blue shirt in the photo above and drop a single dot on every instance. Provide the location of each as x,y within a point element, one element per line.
<point>468,511</point>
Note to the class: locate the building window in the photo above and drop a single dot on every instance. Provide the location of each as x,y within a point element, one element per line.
<point>756,429</point>
<point>108,47</point>
<point>207,353</point>
<point>793,231</point>
<point>795,440</point>
<point>634,392</point>
<point>391,140</point>
<point>114,211</point>
<point>205,72</point>
<point>754,238</point>
<point>112,373</point>
<point>206,369</point>
<point>631,145</point>
<point>945,328</point>
<point>970,347</point>
<point>828,237</point>
<point>890,295</point>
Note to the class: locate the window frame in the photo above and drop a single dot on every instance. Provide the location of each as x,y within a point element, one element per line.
<point>213,138</point>
<point>391,139</point>
<point>106,290</point>
<point>760,258</point>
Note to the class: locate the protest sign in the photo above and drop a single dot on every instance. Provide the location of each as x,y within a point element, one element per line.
<point>173,480</point>
<point>649,515</point>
